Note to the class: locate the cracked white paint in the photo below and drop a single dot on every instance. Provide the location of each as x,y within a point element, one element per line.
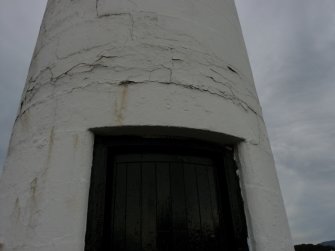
<point>112,63</point>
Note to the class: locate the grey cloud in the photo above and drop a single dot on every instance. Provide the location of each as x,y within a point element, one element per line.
<point>291,45</point>
<point>19,25</point>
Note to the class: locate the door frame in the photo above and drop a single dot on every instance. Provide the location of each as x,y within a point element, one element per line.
<point>232,209</point>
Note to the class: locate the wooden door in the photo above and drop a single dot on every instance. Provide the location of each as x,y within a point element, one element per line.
<point>163,202</point>
<point>163,195</point>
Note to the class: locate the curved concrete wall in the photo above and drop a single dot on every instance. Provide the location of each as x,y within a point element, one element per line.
<point>123,63</point>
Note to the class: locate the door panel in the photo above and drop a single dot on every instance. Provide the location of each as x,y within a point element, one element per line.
<point>164,195</point>
<point>119,206</point>
<point>149,209</point>
<point>163,203</point>
<point>193,208</point>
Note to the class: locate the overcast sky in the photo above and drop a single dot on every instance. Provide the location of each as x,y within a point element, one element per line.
<point>291,46</point>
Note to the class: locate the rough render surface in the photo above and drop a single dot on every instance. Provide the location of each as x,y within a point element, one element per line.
<point>109,63</point>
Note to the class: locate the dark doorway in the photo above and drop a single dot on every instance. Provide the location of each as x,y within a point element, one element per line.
<point>164,195</point>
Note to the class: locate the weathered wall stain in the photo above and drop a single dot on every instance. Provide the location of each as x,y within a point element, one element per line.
<point>33,188</point>
<point>121,100</point>
<point>33,204</point>
<point>50,146</point>
<point>25,121</point>
<point>16,213</point>
<point>75,141</point>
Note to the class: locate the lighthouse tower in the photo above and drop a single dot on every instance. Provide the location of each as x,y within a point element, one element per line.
<point>140,129</point>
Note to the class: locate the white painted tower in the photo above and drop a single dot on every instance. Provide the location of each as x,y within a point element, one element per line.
<point>155,69</point>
